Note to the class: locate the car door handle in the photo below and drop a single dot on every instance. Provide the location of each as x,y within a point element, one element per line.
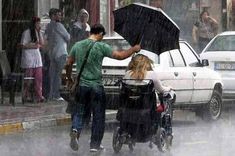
<point>194,74</point>
<point>176,73</point>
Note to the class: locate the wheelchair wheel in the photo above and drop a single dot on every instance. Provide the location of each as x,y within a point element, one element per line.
<point>170,111</point>
<point>169,141</point>
<point>117,144</point>
<point>161,140</point>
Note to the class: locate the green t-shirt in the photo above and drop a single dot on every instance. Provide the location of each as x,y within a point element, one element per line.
<point>92,72</point>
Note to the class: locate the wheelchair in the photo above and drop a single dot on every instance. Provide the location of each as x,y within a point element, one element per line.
<point>140,120</point>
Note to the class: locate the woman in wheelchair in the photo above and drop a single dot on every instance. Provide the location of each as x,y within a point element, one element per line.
<point>138,113</point>
<point>140,68</point>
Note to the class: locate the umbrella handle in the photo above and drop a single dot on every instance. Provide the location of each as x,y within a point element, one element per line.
<point>140,38</point>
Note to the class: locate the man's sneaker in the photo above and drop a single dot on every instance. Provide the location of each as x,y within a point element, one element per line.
<point>74,141</point>
<point>93,150</point>
<point>59,99</point>
<point>101,147</point>
<point>97,149</point>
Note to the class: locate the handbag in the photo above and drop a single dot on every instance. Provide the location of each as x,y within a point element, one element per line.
<point>72,96</point>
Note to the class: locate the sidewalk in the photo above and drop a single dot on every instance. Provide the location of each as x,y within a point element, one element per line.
<point>37,115</point>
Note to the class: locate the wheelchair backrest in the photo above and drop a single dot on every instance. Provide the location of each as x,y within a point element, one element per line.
<point>137,94</point>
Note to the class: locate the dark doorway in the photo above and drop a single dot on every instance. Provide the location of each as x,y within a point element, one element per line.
<point>15,18</point>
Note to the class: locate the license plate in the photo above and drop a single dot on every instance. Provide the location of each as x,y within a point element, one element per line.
<point>110,81</point>
<point>225,66</point>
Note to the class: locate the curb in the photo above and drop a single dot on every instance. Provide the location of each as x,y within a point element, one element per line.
<point>42,122</point>
<point>38,122</point>
<point>10,128</point>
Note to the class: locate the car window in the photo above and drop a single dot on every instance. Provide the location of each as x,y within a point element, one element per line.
<point>177,58</point>
<point>121,44</point>
<point>166,56</point>
<point>189,56</point>
<point>116,43</point>
<point>223,43</point>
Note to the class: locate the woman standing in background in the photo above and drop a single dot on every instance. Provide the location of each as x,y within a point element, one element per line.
<point>204,30</point>
<point>31,60</point>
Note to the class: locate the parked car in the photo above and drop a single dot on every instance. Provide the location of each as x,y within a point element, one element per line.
<point>220,52</point>
<point>197,88</point>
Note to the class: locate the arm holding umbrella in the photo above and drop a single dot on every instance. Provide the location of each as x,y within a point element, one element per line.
<point>122,54</point>
<point>116,54</point>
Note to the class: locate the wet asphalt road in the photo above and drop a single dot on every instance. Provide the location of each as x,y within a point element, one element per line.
<point>192,137</point>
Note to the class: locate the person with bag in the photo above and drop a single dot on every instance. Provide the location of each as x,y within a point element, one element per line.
<point>80,30</point>
<point>90,91</point>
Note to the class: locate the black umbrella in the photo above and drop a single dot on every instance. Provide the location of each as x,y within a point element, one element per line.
<point>148,26</point>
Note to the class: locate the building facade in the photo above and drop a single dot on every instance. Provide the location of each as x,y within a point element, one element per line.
<point>15,16</point>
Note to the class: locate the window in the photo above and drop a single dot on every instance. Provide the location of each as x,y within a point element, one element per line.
<point>189,56</point>
<point>44,6</point>
<point>177,58</point>
<point>166,56</point>
<point>223,43</point>
<point>117,43</point>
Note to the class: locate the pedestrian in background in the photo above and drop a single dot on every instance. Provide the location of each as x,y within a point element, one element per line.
<point>31,61</point>
<point>204,30</point>
<point>91,91</point>
<point>80,29</point>
<point>57,39</point>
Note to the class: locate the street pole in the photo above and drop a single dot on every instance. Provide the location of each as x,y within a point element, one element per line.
<point>224,15</point>
<point>199,3</point>
<point>1,25</point>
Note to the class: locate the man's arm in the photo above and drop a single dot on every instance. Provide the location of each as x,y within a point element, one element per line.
<point>63,32</point>
<point>215,25</point>
<point>123,54</point>
<point>26,43</point>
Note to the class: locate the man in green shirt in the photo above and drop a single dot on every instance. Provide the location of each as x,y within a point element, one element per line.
<point>91,90</point>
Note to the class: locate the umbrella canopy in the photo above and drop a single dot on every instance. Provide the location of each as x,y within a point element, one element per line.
<point>148,26</point>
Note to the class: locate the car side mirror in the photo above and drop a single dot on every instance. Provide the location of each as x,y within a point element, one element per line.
<point>205,62</point>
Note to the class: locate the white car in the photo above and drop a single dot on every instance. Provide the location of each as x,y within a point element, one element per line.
<point>197,87</point>
<point>220,53</point>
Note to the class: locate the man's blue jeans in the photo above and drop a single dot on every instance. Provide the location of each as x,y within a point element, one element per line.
<point>91,99</point>
<point>56,67</point>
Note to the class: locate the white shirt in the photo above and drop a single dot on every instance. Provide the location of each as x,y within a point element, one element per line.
<point>151,75</point>
<point>31,58</point>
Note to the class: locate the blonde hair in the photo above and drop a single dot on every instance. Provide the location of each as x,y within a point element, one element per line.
<point>139,66</point>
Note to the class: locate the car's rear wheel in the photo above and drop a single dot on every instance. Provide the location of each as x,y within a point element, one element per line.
<point>213,108</point>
